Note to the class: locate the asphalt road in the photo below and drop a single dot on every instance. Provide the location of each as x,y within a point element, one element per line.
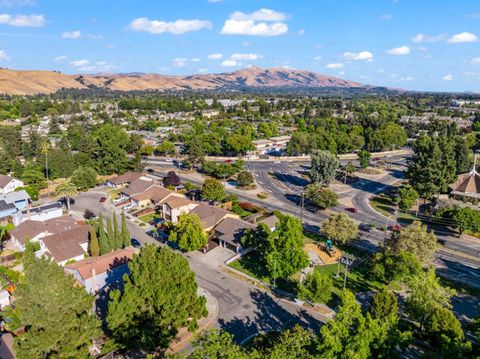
<point>243,309</point>
<point>459,259</point>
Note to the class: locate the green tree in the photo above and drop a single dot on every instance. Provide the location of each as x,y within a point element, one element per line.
<point>323,167</point>
<point>364,158</point>
<point>31,190</point>
<point>407,197</point>
<point>350,334</point>
<point>93,245</point>
<point>462,155</point>
<point>317,287</point>
<point>189,233</point>
<point>111,149</point>
<point>245,179</point>
<point>217,344</point>
<point>285,254</point>
<point>349,170</point>
<point>84,178</point>
<point>67,190</point>
<point>110,235</point>
<point>195,151</point>
<point>102,236</point>
<point>57,314</point>
<point>212,190</point>
<point>159,297</point>
<point>166,148</point>
<point>388,266</point>
<point>340,228</point>
<point>116,232</point>
<point>32,175</point>
<point>417,240</point>
<point>321,196</point>
<point>125,233</point>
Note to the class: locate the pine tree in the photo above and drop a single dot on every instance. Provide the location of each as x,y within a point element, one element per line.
<point>102,236</point>
<point>116,232</point>
<point>159,297</point>
<point>125,234</point>
<point>94,246</point>
<point>110,235</point>
<point>57,314</point>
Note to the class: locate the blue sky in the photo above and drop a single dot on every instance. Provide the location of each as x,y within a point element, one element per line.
<point>411,44</point>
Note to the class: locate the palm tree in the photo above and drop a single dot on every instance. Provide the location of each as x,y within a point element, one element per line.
<point>68,190</point>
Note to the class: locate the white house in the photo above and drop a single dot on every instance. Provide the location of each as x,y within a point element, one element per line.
<point>9,184</point>
<point>41,213</point>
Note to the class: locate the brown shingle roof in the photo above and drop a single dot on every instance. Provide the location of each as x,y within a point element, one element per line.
<point>177,202</point>
<point>102,263</point>
<point>66,245</point>
<point>154,193</point>
<point>467,184</point>
<point>4,180</point>
<point>137,186</point>
<point>127,177</point>
<point>30,229</point>
<point>209,215</point>
<point>231,230</point>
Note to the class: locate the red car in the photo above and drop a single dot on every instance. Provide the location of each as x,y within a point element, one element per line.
<point>103,199</point>
<point>394,227</point>
<point>351,209</point>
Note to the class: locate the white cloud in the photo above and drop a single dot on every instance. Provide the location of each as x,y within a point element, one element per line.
<point>463,37</point>
<point>16,3</point>
<point>418,38</point>
<point>301,32</point>
<point>359,56</point>
<point>176,27</point>
<point>202,71</point>
<point>475,61</point>
<point>447,77</point>
<point>72,34</point>
<point>215,56</point>
<point>79,63</point>
<point>386,17</point>
<point>317,58</point>
<point>247,57</point>
<point>263,22</point>
<point>180,61</point>
<point>22,20</point>
<point>4,56</point>
<point>342,73</point>
<point>195,59</point>
<point>230,63</point>
<point>399,51</point>
<point>335,66</point>
<point>60,58</point>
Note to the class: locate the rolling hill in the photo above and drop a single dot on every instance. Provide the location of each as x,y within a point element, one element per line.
<point>16,82</point>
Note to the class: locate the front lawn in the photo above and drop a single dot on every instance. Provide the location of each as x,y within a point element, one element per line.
<point>149,217</point>
<point>253,265</point>
<point>113,193</point>
<point>384,205</point>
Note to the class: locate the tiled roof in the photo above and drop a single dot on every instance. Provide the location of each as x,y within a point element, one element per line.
<point>137,186</point>
<point>4,180</point>
<point>209,215</point>
<point>67,245</point>
<point>30,229</point>
<point>127,177</point>
<point>231,230</point>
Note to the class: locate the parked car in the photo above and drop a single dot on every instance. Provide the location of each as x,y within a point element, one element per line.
<point>128,206</point>
<point>88,214</point>
<point>117,200</point>
<point>102,199</point>
<point>150,170</point>
<point>365,227</point>
<point>351,209</point>
<point>135,243</point>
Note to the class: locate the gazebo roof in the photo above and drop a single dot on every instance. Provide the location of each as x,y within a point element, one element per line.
<point>467,184</point>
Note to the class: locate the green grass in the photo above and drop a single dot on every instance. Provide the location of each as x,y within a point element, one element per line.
<point>113,193</point>
<point>149,217</point>
<point>386,206</point>
<point>253,265</point>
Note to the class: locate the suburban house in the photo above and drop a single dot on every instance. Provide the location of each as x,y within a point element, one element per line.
<point>67,246</point>
<point>9,184</point>
<point>97,273</point>
<point>125,179</point>
<point>136,187</point>
<point>153,195</point>
<point>12,202</point>
<point>172,207</point>
<point>6,346</point>
<point>211,215</point>
<point>274,145</point>
<point>35,230</point>
<point>41,213</point>
<point>270,222</point>
<point>230,231</point>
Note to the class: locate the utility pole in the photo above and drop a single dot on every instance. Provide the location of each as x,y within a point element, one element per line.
<point>348,260</point>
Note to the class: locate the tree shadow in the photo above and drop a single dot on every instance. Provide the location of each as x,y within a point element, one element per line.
<point>291,179</point>
<point>268,316</point>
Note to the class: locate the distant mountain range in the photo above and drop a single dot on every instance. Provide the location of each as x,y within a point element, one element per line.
<point>15,82</point>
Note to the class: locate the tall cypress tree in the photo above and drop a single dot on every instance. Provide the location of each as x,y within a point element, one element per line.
<point>94,246</point>
<point>102,236</point>
<point>110,235</point>
<point>116,232</point>
<point>125,234</point>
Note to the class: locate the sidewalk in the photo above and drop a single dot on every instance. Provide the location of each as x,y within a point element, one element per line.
<point>184,336</point>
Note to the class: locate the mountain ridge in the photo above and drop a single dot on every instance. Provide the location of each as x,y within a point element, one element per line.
<point>32,82</point>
